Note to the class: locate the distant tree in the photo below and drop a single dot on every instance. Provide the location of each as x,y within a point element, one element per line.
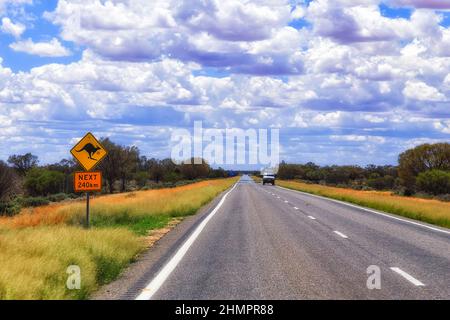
<point>342,174</point>
<point>218,173</point>
<point>172,176</point>
<point>9,185</point>
<point>192,171</point>
<point>143,164</point>
<point>381,183</point>
<point>141,178</point>
<point>23,163</point>
<point>43,182</point>
<point>110,166</point>
<point>156,170</point>
<point>423,158</point>
<point>315,175</point>
<point>434,182</point>
<point>169,166</point>
<point>121,163</point>
<point>129,162</point>
<point>287,171</point>
<point>67,167</point>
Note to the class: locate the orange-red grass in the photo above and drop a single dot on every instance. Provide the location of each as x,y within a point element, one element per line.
<point>150,202</point>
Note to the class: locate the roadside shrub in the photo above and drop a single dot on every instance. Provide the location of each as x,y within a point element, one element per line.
<point>172,177</point>
<point>9,208</point>
<point>141,179</point>
<point>423,195</point>
<point>443,197</point>
<point>58,197</point>
<point>381,183</point>
<point>425,157</point>
<point>34,201</point>
<point>403,191</point>
<point>434,182</point>
<point>41,182</point>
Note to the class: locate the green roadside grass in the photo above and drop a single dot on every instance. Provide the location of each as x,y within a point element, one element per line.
<point>431,211</point>
<point>38,245</point>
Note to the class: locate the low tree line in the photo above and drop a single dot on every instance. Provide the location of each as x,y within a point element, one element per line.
<point>23,182</point>
<point>423,169</point>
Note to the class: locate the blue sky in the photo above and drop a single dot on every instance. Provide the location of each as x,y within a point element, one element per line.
<point>347,82</point>
<point>38,29</point>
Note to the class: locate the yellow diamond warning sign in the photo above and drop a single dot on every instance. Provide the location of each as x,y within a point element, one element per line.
<point>89,152</point>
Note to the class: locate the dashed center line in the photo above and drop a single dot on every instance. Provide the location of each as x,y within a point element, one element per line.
<point>408,277</point>
<point>399,271</point>
<point>341,234</point>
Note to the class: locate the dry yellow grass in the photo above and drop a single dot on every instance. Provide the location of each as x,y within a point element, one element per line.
<point>431,211</point>
<point>34,261</point>
<point>38,245</point>
<point>173,201</point>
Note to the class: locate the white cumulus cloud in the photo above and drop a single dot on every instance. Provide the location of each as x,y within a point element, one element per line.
<point>14,29</point>
<point>421,91</point>
<point>52,48</point>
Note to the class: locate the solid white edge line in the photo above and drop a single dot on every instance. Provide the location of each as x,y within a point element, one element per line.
<point>164,273</point>
<point>340,234</point>
<point>369,210</point>
<point>408,277</point>
<point>311,217</point>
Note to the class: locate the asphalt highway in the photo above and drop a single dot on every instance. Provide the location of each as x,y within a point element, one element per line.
<point>266,242</point>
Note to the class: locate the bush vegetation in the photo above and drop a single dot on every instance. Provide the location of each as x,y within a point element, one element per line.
<point>421,170</point>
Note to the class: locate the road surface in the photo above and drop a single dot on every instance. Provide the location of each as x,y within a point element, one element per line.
<point>265,242</point>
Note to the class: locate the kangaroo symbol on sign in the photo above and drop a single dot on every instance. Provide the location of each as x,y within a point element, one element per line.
<point>90,149</point>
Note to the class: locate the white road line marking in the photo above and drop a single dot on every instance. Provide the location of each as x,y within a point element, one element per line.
<point>285,201</point>
<point>311,217</point>
<point>278,197</point>
<point>408,277</point>
<point>295,208</point>
<point>341,234</point>
<point>372,211</point>
<point>164,273</point>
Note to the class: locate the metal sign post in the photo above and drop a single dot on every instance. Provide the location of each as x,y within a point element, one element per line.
<point>88,152</point>
<point>87,210</point>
